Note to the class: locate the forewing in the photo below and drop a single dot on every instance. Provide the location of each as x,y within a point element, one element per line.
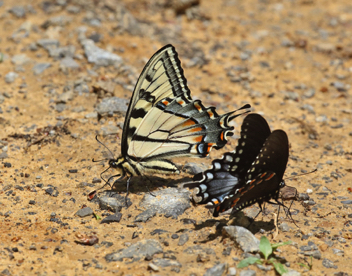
<point>264,177</point>
<point>161,77</point>
<point>272,157</point>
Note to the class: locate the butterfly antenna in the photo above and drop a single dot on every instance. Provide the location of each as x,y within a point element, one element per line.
<point>294,176</point>
<point>246,107</point>
<point>96,138</point>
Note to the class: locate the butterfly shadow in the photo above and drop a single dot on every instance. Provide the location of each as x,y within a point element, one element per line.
<point>144,184</point>
<point>239,219</point>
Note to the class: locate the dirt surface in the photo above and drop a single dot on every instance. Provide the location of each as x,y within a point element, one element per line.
<point>291,60</point>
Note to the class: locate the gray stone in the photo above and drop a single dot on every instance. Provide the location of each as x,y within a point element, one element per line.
<point>91,115</point>
<point>65,97</point>
<point>309,108</point>
<point>309,93</point>
<point>99,56</point>
<point>198,249</point>
<point>112,218</point>
<point>183,239</point>
<point>166,262</point>
<point>248,272</point>
<point>290,95</point>
<point>48,43</point>
<point>20,59</point>
<point>243,237</point>
<point>321,119</point>
<point>341,87</point>
<point>329,264</point>
<point>325,47</point>
<point>171,202</point>
<point>292,272</point>
<point>40,68</point>
<point>18,11</point>
<point>153,267</point>
<point>144,216</point>
<point>73,9</point>
<point>84,212</point>
<point>112,201</point>
<point>136,251</point>
<point>338,252</point>
<point>112,105</point>
<point>59,107</point>
<point>10,77</point>
<point>61,21</point>
<point>126,22</point>
<point>316,254</point>
<point>69,62</point>
<point>62,52</point>
<point>3,155</point>
<point>232,271</point>
<point>109,130</point>
<point>284,227</point>
<point>216,270</point>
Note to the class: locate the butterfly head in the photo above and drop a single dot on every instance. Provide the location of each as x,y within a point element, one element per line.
<point>117,163</point>
<point>282,184</point>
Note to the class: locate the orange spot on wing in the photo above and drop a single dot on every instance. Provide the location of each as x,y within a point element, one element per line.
<point>181,102</point>
<point>210,145</point>
<point>222,136</point>
<point>263,175</point>
<point>196,105</point>
<point>234,202</point>
<point>216,202</point>
<point>198,139</point>
<point>165,102</point>
<point>189,122</point>
<point>197,129</point>
<point>210,113</point>
<point>270,177</point>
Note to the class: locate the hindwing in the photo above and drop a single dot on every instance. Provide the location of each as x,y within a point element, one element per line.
<point>215,185</point>
<point>252,173</point>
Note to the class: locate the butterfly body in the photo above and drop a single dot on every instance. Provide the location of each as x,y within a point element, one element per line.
<point>163,121</point>
<point>251,174</point>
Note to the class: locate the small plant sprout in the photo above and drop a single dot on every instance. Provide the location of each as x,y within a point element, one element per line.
<point>267,249</point>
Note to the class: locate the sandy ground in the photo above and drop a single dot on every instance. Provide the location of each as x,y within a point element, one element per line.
<point>291,60</point>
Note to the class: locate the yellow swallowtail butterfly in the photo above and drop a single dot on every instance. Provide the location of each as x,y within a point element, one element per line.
<point>163,122</point>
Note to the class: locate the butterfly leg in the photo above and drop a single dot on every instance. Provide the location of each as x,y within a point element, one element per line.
<point>128,190</point>
<point>287,209</point>
<point>147,186</point>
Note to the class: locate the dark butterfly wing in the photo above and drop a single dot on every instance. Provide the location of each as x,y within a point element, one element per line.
<point>264,178</point>
<point>214,186</point>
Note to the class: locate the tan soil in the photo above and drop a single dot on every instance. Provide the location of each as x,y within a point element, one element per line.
<point>264,24</point>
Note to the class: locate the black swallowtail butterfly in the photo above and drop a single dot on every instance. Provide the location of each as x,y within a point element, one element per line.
<point>253,173</point>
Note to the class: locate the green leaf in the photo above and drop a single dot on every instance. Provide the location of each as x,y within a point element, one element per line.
<point>303,265</point>
<point>279,267</point>
<point>97,217</point>
<point>265,247</point>
<point>248,261</point>
<point>276,245</point>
